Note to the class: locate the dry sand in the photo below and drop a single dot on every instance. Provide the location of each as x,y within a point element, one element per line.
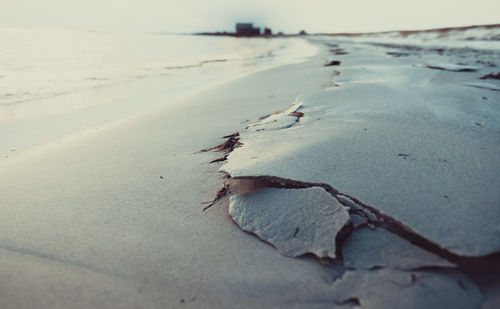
<point>113,218</point>
<point>409,148</point>
<point>88,221</point>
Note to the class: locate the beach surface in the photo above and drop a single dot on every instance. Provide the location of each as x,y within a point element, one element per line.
<point>365,176</point>
<point>112,217</point>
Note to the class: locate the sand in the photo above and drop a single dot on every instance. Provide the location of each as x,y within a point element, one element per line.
<point>88,220</point>
<point>409,148</point>
<point>114,217</point>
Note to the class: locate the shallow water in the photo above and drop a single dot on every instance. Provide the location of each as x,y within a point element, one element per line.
<point>57,82</point>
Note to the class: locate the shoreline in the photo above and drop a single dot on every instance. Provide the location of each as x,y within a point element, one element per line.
<point>98,203</point>
<point>33,124</point>
<point>119,214</point>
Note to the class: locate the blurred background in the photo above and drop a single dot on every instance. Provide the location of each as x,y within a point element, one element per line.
<point>289,16</point>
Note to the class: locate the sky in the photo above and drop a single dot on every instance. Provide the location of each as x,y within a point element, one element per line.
<point>289,16</point>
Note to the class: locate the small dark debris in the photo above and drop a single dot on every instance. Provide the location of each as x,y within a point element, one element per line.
<point>338,51</point>
<point>484,98</point>
<point>297,114</point>
<point>443,160</point>
<point>221,159</point>
<point>478,124</point>
<point>446,196</point>
<point>161,177</point>
<point>182,300</point>
<point>222,192</point>
<point>230,144</point>
<point>232,135</point>
<point>404,155</point>
<point>296,232</point>
<point>451,70</point>
<point>491,76</point>
<point>333,63</point>
<point>353,301</point>
<point>396,54</point>
<point>227,146</point>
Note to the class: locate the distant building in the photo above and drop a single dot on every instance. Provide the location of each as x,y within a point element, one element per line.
<point>246,29</point>
<point>268,31</point>
<point>302,32</point>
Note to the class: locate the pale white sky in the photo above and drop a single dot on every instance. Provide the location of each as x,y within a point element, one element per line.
<point>280,15</point>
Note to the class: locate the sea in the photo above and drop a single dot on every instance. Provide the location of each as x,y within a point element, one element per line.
<point>55,82</point>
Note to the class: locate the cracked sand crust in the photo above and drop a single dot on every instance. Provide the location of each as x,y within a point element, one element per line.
<point>384,243</point>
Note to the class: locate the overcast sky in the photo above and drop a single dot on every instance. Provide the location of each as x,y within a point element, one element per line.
<point>280,15</point>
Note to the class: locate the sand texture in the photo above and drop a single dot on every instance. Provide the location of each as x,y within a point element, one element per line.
<point>114,217</point>
<point>370,182</point>
<point>410,145</point>
<point>412,142</point>
<point>296,222</point>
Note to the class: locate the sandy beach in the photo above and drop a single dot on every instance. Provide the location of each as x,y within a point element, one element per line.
<point>366,175</point>
<point>114,216</point>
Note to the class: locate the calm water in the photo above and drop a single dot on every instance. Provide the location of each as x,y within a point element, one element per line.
<point>57,82</point>
<point>41,63</point>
